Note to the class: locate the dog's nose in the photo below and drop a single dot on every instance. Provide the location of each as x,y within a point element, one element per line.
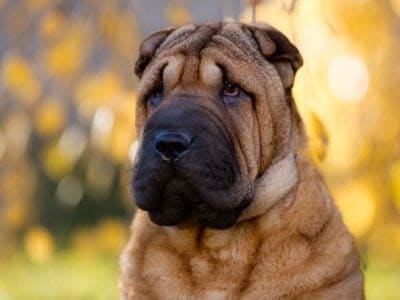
<point>171,145</point>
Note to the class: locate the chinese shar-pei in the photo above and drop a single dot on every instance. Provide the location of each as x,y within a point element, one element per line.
<point>230,205</point>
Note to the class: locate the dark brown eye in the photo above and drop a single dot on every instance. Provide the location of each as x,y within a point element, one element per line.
<point>155,97</point>
<point>230,90</point>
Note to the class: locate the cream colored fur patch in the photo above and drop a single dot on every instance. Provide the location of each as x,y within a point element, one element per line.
<point>275,183</point>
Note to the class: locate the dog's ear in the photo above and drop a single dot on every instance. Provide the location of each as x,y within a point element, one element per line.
<point>277,48</point>
<point>148,48</point>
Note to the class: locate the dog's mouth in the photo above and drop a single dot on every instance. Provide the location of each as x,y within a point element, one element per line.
<point>178,192</point>
<point>181,203</point>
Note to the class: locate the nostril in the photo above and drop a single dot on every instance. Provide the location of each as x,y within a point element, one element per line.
<point>171,145</point>
<point>175,146</point>
<point>171,149</point>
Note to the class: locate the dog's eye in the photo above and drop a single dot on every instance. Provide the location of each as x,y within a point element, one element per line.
<point>155,97</point>
<point>230,90</point>
<point>231,93</point>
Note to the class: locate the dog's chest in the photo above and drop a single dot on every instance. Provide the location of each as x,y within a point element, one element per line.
<point>214,267</point>
<point>220,270</point>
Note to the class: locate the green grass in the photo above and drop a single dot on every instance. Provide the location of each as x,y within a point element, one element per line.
<point>70,275</point>
<point>76,275</point>
<point>382,281</point>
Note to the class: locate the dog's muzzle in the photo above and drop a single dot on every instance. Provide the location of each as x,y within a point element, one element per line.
<point>187,168</point>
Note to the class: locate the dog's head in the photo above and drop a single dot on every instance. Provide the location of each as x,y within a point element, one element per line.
<point>213,112</point>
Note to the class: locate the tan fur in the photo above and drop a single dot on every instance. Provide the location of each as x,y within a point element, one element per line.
<point>290,243</point>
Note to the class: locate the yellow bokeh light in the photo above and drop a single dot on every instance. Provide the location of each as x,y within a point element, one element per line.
<point>111,235</point>
<point>120,30</point>
<point>51,24</point>
<point>110,23</point>
<point>178,15</point>
<point>50,118</point>
<point>120,141</point>
<point>97,90</point>
<point>122,133</point>
<point>39,244</point>
<point>16,215</point>
<point>357,203</point>
<point>57,163</point>
<point>65,58</point>
<point>19,78</point>
<point>318,138</point>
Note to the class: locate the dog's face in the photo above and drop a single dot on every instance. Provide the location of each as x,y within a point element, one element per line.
<point>213,112</point>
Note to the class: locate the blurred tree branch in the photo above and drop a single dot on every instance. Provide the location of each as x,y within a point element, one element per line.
<point>289,6</point>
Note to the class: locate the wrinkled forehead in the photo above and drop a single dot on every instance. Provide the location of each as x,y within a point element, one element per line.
<point>200,53</point>
<point>193,38</point>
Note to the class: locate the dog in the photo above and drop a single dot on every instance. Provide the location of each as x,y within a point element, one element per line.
<point>229,203</point>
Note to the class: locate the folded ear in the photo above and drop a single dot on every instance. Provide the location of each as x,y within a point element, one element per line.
<point>148,48</point>
<point>277,48</point>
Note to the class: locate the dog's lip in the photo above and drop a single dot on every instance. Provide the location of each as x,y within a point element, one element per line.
<point>193,201</point>
<point>160,218</point>
<point>218,219</point>
<point>147,207</point>
<point>215,218</point>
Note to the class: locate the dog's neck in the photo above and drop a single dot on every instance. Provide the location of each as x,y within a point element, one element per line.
<point>282,176</point>
<point>276,182</point>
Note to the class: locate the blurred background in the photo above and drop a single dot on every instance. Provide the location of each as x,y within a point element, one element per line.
<point>67,98</point>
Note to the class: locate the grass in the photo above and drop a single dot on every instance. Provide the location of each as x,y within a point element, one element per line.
<point>69,275</point>
<point>382,281</point>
